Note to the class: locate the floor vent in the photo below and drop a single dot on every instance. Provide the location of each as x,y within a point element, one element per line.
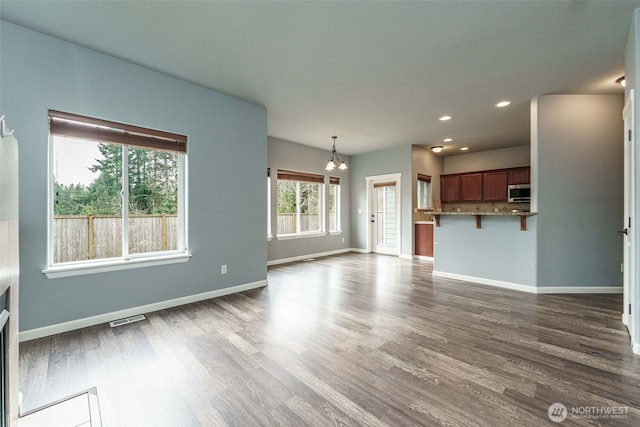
<point>127,320</point>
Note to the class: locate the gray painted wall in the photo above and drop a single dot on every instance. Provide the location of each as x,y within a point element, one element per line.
<point>579,154</point>
<point>395,160</point>
<point>227,154</point>
<point>497,251</point>
<point>486,160</point>
<point>291,156</point>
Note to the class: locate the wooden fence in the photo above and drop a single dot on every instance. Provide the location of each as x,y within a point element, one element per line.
<point>308,222</point>
<point>83,237</point>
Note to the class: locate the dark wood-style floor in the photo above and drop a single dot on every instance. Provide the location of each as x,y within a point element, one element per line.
<point>350,340</point>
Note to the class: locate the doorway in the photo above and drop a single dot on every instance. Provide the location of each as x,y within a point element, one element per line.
<point>383,216</point>
<point>628,231</point>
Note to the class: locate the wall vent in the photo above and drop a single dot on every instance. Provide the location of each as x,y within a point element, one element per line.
<point>127,320</point>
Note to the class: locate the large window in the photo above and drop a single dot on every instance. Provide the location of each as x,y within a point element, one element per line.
<point>334,205</point>
<point>117,191</point>
<point>425,198</point>
<point>300,203</point>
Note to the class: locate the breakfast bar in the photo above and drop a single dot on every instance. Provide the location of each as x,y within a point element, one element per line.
<point>478,216</point>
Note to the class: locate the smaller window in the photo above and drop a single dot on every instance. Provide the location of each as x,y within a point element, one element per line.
<point>425,198</point>
<point>334,205</point>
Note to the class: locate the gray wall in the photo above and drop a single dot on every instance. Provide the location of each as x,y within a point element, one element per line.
<point>486,160</point>
<point>296,157</point>
<point>395,160</point>
<point>227,151</point>
<point>497,251</point>
<point>579,155</point>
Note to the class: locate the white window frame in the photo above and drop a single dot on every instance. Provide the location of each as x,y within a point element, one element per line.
<point>337,204</point>
<point>128,261</point>
<point>322,219</point>
<point>428,197</point>
<point>269,235</point>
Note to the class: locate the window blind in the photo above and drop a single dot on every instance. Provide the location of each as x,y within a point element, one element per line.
<point>334,180</point>
<point>300,176</point>
<point>424,178</point>
<point>384,184</point>
<point>76,126</point>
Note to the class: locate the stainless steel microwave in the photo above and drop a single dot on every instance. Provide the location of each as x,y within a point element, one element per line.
<point>520,193</point>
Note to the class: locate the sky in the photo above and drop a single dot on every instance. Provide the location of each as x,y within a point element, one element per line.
<point>72,159</point>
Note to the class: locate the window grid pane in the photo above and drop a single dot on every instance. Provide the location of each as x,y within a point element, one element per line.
<point>88,220</point>
<point>299,207</point>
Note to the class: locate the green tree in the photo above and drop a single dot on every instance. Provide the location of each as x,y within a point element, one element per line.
<point>153,184</point>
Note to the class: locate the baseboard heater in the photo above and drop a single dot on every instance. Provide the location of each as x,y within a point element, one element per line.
<point>127,320</point>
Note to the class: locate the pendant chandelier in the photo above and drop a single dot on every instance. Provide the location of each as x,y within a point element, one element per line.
<point>334,159</point>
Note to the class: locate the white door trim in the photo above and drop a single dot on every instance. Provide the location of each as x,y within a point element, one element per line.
<point>370,180</point>
<point>630,282</point>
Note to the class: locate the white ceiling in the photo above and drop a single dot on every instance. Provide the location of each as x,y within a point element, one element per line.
<point>376,74</point>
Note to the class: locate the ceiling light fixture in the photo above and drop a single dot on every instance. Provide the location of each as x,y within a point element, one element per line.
<point>444,118</point>
<point>447,140</point>
<point>503,104</point>
<point>437,148</point>
<point>331,164</point>
<point>464,148</point>
<point>622,82</point>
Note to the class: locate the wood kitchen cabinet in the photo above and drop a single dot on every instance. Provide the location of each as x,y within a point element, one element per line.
<point>449,188</point>
<point>519,176</point>
<point>481,186</point>
<point>471,187</point>
<point>495,186</point>
<point>424,239</point>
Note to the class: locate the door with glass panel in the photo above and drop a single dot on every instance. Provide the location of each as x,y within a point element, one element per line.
<point>384,218</point>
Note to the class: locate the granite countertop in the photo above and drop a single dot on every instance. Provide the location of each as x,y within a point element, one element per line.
<point>501,213</point>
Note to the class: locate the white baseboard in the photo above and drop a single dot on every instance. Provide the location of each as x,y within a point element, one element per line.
<point>483,281</point>
<point>579,289</point>
<point>302,257</point>
<point>359,250</point>
<point>423,258</point>
<point>636,348</point>
<point>529,288</point>
<point>403,256</point>
<point>115,315</point>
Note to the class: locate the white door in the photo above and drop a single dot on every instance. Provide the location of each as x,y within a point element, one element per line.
<point>628,232</point>
<point>384,214</point>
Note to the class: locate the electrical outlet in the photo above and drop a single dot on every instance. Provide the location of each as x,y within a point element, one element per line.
<point>343,240</point>
<point>223,269</point>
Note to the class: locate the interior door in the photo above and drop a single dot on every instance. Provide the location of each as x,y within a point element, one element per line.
<point>384,218</point>
<point>628,232</point>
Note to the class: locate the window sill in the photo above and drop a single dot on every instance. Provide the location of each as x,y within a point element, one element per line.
<point>335,233</point>
<point>300,236</point>
<point>113,265</point>
<point>269,238</point>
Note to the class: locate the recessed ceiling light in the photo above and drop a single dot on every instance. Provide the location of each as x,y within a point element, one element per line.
<point>622,82</point>
<point>444,118</point>
<point>464,148</point>
<point>437,148</point>
<point>447,140</point>
<point>503,104</point>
